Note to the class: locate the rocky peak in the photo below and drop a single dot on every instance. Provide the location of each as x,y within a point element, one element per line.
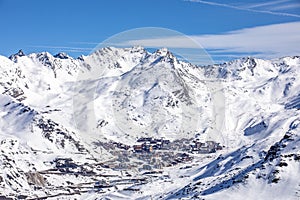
<point>15,56</point>
<point>62,55</point>
<point>165,55</point>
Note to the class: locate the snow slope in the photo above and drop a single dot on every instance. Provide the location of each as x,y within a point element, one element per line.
<point>57,108</point>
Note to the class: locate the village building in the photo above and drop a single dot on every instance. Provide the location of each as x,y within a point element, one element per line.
<point>205,147</point>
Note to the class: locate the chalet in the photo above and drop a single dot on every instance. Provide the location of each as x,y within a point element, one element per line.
<point>147,147</point>
<point>211,144</point>
<point>144,139</point>
<point>138,148</point>
<point>206,147</point>
<point>65,163</point>
<point>149,144</point>
<point>219,147</point>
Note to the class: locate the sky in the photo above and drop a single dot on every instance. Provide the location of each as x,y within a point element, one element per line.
<point>225,29</point>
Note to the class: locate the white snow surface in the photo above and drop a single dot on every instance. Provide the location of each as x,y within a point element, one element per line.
<point>61,107</point>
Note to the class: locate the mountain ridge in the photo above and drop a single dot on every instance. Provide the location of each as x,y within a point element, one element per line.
<point>73,122</point>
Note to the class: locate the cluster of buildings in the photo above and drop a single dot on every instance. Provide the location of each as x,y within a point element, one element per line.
<point>150,153</point>
<point>147,145</point>
<point>205,147</point>
<point>150,144</point>
<point>113,145</point>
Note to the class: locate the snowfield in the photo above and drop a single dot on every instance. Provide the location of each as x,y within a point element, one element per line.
<point>68,127</point>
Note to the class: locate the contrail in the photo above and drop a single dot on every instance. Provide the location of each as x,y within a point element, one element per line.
<point>245,9</point>
<point>60,47</point>
<point>267,4</point>
<point>63,48</point>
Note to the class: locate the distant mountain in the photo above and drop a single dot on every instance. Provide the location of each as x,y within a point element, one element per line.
<point>65,125</point>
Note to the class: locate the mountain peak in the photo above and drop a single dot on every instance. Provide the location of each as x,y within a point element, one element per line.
<point>165,55</point>
<point>163,52</point>
<point>62,55</point>
<point>137,49</point>
<point>20,53</point>
<point>16,55</point>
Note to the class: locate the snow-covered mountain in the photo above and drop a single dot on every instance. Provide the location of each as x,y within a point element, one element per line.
<point>68,126</point>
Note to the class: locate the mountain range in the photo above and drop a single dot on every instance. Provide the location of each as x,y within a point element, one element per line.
<point>68,126</point>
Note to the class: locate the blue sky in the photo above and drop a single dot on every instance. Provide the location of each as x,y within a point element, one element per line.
<point>226,29</point>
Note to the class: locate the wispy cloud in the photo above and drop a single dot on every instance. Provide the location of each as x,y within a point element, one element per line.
<point>282,5</point>
<point>268,41</point>
<point>248,8</point>
<point>264,41</point>
<point>264,4</point>
<point>87,43</point>
<point>64,48</point>
<point>286,7</point>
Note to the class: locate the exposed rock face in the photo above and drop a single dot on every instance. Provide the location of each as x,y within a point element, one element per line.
<point>35,178</point>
